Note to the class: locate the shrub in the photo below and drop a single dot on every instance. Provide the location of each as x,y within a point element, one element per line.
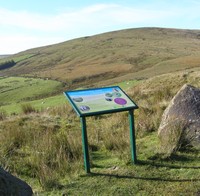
<point>28,108</point>
<point>2,115</point>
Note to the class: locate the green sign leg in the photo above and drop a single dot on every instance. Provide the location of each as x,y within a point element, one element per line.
<point>132,137</point>
<point>85,145</point>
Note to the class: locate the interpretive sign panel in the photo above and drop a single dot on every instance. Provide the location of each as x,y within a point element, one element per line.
<point>92,102</point>
<point>97,101</point>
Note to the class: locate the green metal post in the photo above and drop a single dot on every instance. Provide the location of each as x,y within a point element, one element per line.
<point>85,145</point>
<point>132,137</point>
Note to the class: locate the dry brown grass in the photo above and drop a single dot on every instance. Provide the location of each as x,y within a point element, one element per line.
<point>41,146</point>
<point>120,55</point>
<point>47,145</point>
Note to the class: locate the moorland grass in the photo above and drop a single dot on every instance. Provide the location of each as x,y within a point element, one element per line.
<point>3,114</point>
<point>40,104</point>
<point>15,91</point>
<point>43,101</point>
<point>130,53</point>
<point>28,108</point>
<point>46,151</point>
<point>45,148</point>
<point>17,58</point>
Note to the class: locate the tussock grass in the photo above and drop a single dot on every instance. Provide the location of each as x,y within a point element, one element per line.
<point>115,132</point>
<point>2,114</point>
<point>45,148</point>
<point>39,146</point>
<point>27,108</point>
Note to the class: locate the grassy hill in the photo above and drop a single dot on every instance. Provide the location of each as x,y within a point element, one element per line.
<point>112,57</point>
<point>44,147</point>
<point>16,91</point>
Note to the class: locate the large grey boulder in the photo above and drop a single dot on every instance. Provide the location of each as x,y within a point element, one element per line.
<point>180,124</point>
<point>13,186</point>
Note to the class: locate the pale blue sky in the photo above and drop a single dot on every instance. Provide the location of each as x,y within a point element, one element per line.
<point>28,24</point>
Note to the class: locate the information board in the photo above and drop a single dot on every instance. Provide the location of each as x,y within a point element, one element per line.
<point>90,102</point>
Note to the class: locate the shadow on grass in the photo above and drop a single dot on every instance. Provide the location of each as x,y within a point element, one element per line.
<point>174,158</point>
<point>141,178</point>
<point>171,166</point>
<point>151,162</point>
<point>173,162</point>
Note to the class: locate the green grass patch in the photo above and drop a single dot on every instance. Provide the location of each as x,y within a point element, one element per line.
<point>125,85</point>
<point>22,57</point>
<point>15,91</point>
<point>17,58</point>
<point>40,104</point>
<point>112,175</point>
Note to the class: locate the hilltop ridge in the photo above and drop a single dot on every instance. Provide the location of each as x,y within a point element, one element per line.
<point>113,56</point>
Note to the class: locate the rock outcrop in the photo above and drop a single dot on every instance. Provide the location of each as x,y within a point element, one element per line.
<point>11,185</point>
<point>180,124</point>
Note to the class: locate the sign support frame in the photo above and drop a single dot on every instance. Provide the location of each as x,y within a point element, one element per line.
<point>85,144</point>
<point>74,100</point>
<point>132,136</point>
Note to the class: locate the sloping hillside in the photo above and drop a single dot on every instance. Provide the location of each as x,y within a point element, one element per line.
<point>119,55</point>
<point>43,144</point>
<point>4,56</point>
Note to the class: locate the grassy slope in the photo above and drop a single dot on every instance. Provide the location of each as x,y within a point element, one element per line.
<point>111,176</point>
<point>112,172</point>
<point>132,53</point>
<point>40,104</point>
<point>15,91</point>
<point>4,56</point>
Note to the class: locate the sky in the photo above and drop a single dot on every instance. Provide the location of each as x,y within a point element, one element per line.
<point>28,24</point>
